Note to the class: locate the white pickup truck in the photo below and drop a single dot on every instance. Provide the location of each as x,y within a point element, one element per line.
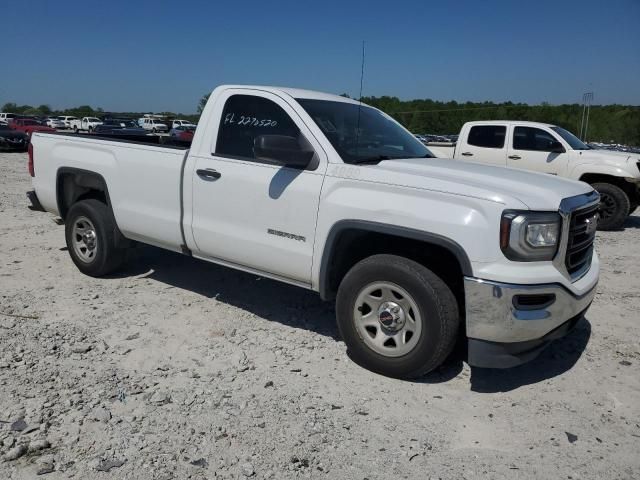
<point>327,194</point>
<point>86,124</point>
<point>545,148</point>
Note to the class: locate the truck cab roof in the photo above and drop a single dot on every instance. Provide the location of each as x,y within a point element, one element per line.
<point>292,92</point>
<point>510,122</point>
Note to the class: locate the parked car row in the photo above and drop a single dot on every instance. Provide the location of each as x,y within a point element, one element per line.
<point>180,131</point>
<point>157,124</point>
<point>428,138</point>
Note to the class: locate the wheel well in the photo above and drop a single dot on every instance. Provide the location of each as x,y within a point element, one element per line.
<point>628,188</point>
<point>75,185</point>
<point>353,245</point>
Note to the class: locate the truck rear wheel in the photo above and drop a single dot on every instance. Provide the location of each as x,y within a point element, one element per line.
<point>614,206</point>
<point>396,316</point>
<point>90,232</point>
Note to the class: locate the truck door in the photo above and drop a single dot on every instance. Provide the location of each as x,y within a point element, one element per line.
<point>484,144</point>
<point>536,149</point>
<point>249,212</point>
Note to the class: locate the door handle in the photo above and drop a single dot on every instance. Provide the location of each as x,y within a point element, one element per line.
<point>467,154</point>
<point>514,157</point>
<point>208,174</point>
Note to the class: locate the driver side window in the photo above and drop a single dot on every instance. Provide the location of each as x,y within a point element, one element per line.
<point>533,139</point>
<point>246,117</point>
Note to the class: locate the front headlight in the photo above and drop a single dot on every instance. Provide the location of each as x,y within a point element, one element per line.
<point>529,236</point>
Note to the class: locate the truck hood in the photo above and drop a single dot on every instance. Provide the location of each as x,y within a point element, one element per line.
<point>514,188</point>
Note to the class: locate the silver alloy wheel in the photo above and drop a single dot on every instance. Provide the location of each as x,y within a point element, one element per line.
<point>85,240</point>
<point>387,319</point>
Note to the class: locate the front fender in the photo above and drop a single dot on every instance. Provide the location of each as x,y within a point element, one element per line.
<point>389,229</point>
<point>468,227</point>
<point>599,169</point>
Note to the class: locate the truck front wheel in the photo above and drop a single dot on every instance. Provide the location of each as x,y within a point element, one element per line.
<point>90,232</point>
<point>614,206</point>
<point>396,316</point>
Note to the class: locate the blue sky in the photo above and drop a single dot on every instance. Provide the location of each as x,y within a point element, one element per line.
<point>157,55</point>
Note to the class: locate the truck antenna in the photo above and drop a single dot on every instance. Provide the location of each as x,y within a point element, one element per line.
<point>360,101</point>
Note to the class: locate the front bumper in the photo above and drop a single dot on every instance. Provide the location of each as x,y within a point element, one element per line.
<point>509,324</point>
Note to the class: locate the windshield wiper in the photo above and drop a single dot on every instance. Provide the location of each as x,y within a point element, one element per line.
<point>380,158</point>
<point>373,159</point>
<point>426,155</point>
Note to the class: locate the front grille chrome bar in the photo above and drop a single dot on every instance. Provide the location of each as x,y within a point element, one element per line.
<point>568,207</point>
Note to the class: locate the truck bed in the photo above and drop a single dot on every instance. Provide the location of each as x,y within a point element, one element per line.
<point>143,180</point>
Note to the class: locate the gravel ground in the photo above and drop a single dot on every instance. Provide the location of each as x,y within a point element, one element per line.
<point>175,368</point>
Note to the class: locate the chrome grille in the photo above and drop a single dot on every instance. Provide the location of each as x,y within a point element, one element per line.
<point>582,233</point>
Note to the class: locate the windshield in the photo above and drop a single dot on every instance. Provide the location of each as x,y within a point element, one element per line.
<point>573,141</point>
<point>365,136</point>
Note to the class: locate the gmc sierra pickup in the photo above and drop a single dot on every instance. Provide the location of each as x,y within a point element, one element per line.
<point>328,194</point>
<point>545,148</point>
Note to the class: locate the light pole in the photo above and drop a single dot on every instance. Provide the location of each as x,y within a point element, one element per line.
<point>587,99</point>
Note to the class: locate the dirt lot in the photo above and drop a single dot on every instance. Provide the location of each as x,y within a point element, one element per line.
<point>180,369</point>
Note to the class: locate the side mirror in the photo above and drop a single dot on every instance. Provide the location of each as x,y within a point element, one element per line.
<point>556,147</point>
<point>283,150</point>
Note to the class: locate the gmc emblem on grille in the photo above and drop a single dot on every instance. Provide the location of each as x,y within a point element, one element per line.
<point>592,224</point>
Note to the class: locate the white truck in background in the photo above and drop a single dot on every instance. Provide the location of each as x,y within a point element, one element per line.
<point>85,124</point>
<point>328,194</point>
<point>545,148</point>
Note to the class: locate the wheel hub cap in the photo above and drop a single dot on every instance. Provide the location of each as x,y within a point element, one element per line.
<point>84,239</point>
<point>387,319</point>
<point>391,316</point>
<point>89,239</point>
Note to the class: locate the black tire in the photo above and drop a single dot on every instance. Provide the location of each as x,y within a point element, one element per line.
<point>632,207</point>
<point>614,206</point>
<point>75,129</point>
<point>435,302</point>
<point>107,257</point>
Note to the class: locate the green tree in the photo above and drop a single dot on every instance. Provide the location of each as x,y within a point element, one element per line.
<point>203,102</point>
<point>45,109</point>
<point>81,111</point>
<point>9,107</point>
<point>607,123</point>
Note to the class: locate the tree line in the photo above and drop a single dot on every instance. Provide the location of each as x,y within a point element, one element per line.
<point>607,123</point>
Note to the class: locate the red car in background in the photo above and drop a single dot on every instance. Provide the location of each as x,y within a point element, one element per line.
<point>182,134</point>
<point>28,126</point>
